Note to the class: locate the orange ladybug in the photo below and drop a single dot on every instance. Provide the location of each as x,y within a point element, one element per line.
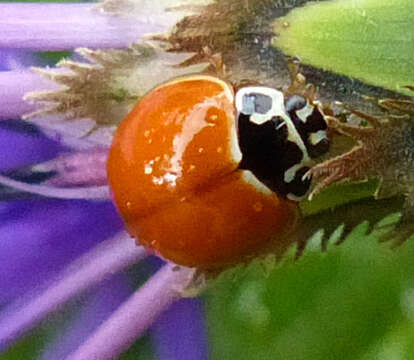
<point>205,177</point>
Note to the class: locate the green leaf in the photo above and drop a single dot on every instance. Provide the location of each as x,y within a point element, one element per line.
<point>337,195</point>
<point>355,304</point>
<point>371,40</point>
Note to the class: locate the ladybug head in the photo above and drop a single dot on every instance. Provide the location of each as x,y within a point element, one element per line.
<point>279,137</point>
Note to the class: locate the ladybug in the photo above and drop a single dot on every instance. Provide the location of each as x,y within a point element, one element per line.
<point>207,177</point>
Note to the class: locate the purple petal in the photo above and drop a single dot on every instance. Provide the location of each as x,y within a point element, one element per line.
<point>179,333</point>
<point>93,267</point>
<point>22,148</point>
<point>136,314</point>
<point>13,86</point>
<point>15,59</point>
<point>67,26</point>
<point>82,168</point>
<point>72,133</point>
<point>90,193</point>
<point>39,237</point>
<point>99,306</point>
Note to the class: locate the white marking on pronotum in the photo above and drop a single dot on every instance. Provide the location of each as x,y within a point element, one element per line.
<point>316,137</point>
<point>294,137</point>
<point>277,109</point>
<point>294,197</point>
<point>305,112</point>
<point>252,180</point>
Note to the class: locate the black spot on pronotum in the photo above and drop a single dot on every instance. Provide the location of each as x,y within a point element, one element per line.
<point>313,123</point>
<point>318,149</point>
<point>266,151</point>
<point>299,186</point>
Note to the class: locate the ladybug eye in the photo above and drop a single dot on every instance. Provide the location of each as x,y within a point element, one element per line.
<point>295,102</point>
<point>256,103</point>
<point>259,103</point>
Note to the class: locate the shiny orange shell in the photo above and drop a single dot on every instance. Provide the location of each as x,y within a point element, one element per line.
<point>173,171</point>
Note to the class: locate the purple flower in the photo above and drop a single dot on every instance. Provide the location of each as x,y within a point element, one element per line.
<point>61,238</point>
